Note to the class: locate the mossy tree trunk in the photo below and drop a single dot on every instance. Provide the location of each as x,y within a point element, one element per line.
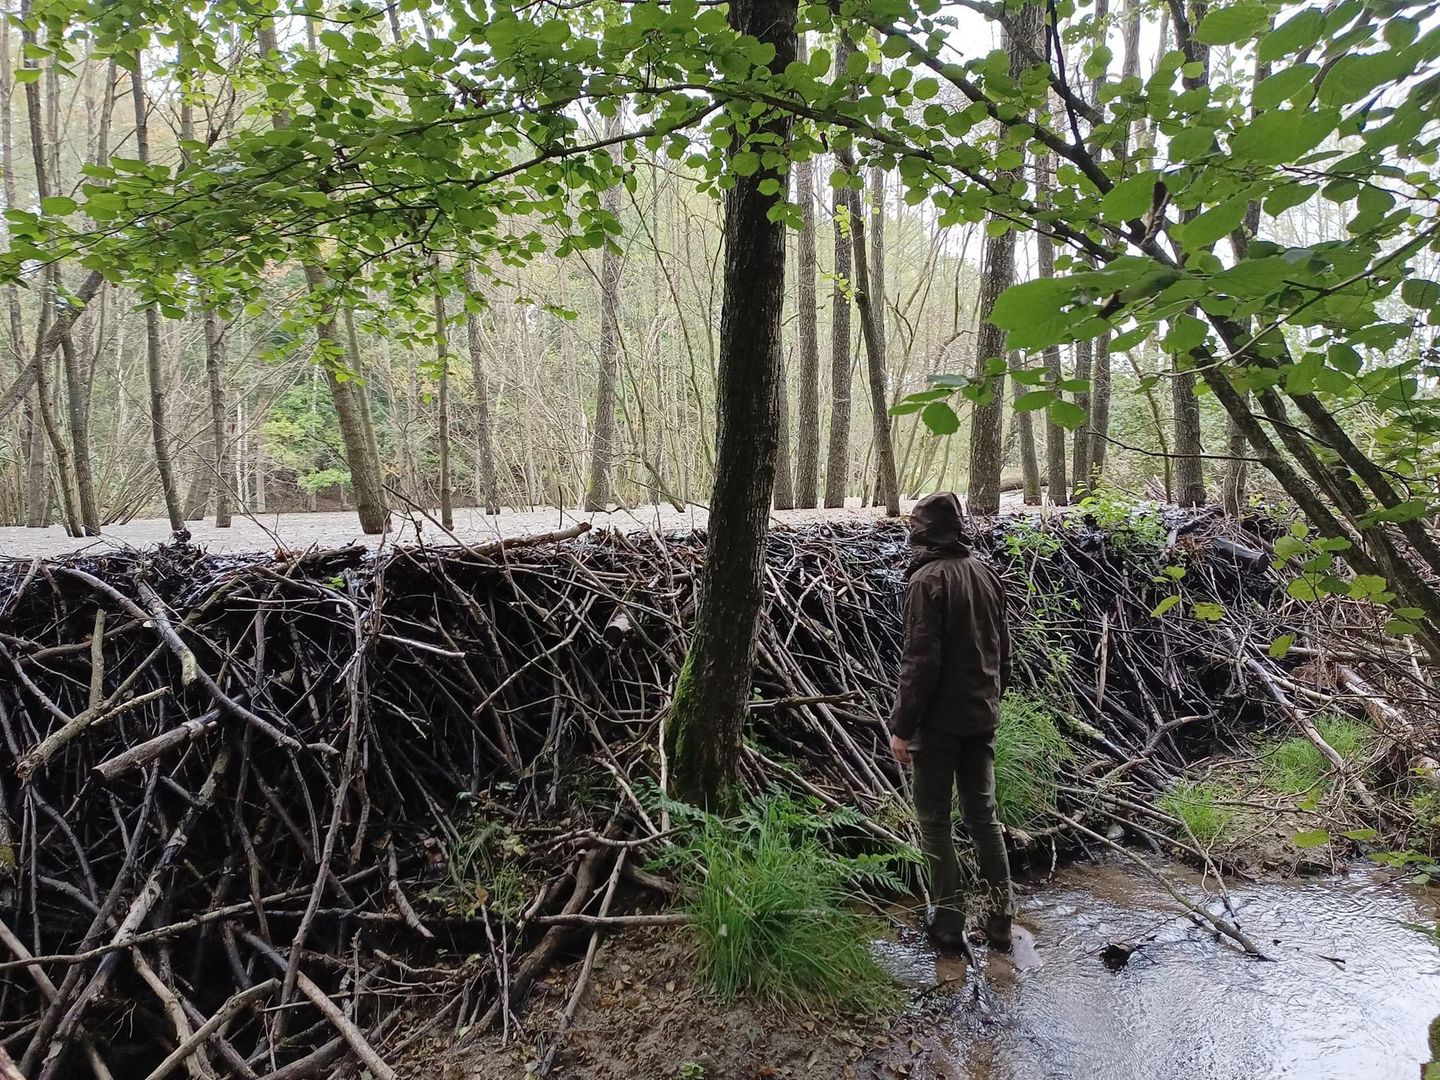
<point>707,719</point>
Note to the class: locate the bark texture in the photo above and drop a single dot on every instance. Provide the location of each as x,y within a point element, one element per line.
<point>703,734</point>
<point>837,458</point>
<point>487,494</point>
<point>602,445</point>
<point>870,318</point>
<point>987,424</point>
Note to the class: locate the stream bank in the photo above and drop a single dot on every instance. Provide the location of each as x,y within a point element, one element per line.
<point>1348,994</point>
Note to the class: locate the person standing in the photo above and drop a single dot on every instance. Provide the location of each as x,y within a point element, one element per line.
<point>954,669</point>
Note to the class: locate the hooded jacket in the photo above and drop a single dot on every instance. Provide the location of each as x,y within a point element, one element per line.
<point>956,660</point>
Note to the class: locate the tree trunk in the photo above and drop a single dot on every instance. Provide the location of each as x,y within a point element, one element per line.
<point>219,414</point>
<point>807,420</point>
<point>837,464</point>
<point>1189,473</point>
<point>1023,431</point>
<point>602,446</point>
<point>784,484</point>
<point>1055,463</point>
<point>487,495</point>
<point>159,427</point>
<point>987,424</point>
<point>1097,428</point>
<point>442,359</point>
<point>1236,445</point>
<point>352,406</point>
<point>706,723</point>
<point>77,390</point>
<point>889,484</point>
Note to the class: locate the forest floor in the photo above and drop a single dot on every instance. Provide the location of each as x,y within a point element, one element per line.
<point>339,528</point>
<point>1349,993</point>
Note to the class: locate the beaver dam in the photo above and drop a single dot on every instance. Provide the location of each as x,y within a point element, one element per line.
<point>307,815</point>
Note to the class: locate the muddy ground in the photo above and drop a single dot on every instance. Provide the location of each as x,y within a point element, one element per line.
<point>1348,993</point>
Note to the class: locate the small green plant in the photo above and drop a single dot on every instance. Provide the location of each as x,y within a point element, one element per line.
<point>775,909</point>
<point>485,866</point>
<point>1025,537</point>
<point>1294,766</point>
<point>1030,750</point>
<point>692,1070</point>
<point>1200,804</point>
<point>1128,523</point>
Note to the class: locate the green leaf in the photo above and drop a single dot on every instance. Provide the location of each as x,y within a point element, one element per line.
<point>1067,414</point>
<point>58,205</point>
<point>1219,221</point>
<point>1355,76</point>
<point>1360,834</point>
<point>1191,143</point>
<point>745,163</point>
<point>1227,25</point>
<point>925,89</point>
<point>1284,85</point>
<point>1130,198</point>
<point>1035,399</point>
<point>1282,136</point>
<point>1280,647</point>
<point>1296,34</point>
<point>1034,312</point>
<point>940,418</point>
<point>1311,838</point>
<point>1186,333</point>
<point>1420,293</point>
<point>1303,589</point>
<point>1165,605</point>
<point>1208,611</point>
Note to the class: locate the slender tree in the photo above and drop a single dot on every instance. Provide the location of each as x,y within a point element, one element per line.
<point>442,367</point>
<point>1189,448</point>
<point>1022,432</point>
<point>1055,463</point>
<point>1237,447</point>
<point>602,446</point>
<point>837,463</point>
<point>807,420</point>
<point>154,364</point>
<point>987,424</point>
<point>707,718</point>
<point>486,492</point>
<point>870,319</point>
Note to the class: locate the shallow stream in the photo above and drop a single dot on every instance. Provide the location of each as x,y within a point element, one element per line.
<point>1349,994</point>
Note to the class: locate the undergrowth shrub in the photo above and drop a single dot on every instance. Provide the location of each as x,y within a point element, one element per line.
<point>1200,804</point>
<point>1294,766</point>
<point>1030,750</point>
<point>775,908</point>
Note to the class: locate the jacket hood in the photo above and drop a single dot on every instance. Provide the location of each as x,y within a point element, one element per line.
<point>938,522</point>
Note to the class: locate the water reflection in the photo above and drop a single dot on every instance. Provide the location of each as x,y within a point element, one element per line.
<point>1349,995</point>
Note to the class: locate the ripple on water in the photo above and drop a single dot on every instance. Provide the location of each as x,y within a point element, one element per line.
<point>1349,995</point>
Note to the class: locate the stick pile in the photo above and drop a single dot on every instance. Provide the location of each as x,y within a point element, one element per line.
<point>236,794</point>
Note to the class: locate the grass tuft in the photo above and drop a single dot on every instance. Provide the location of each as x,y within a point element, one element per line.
<point>1199,804</point>
<point>1294,766</point>
<point>1029,752</point>
<point>775,910</point>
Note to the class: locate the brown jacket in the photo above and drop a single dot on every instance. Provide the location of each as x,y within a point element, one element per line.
<point>956,662</point>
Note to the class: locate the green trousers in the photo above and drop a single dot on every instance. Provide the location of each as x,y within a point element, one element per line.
<point>940,767</point>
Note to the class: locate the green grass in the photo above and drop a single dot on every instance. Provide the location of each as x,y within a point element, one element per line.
<point>775,910</point>
<point>1294,766</point>
<point>1029,752</point>
<point>1199,804</point>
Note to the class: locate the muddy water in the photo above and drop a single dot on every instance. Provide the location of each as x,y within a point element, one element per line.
<point>1349,994</point>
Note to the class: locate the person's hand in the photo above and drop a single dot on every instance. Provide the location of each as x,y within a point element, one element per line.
<point>901,749</point>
